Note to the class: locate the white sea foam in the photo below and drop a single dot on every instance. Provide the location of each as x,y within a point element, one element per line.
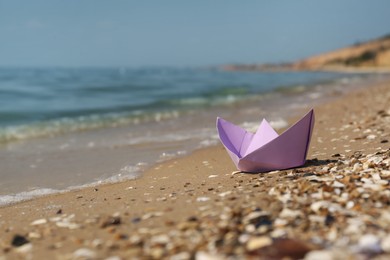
<point>26,195</point>
<point>277,123</point>
<point>208,142</point>
<point>128,172</point>
<point>81,123</point>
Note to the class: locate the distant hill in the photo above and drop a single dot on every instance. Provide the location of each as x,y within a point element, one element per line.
<point>373,55</point>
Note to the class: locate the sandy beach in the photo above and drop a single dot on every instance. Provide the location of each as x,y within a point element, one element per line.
<point>197,207</point>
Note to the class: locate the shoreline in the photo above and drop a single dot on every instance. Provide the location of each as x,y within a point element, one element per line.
<point>196,199</point>
<point>50,164</point>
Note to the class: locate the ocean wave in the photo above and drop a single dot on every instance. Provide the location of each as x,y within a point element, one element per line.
<point>81,123</point>
<point>127,172</point>
<point>26,195</point>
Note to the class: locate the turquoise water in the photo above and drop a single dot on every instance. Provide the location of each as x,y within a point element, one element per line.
<point>40,102</point>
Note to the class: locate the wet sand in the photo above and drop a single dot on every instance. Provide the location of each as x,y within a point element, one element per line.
<point>337,205</point>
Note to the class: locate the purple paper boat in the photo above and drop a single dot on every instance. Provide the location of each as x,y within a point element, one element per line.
<point>266,150</point>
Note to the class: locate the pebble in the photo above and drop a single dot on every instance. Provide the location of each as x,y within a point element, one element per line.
<point>24,249</point>
<point>337,184</point>
<point>152,215</point>
<point>113,258</point>
<point>34,235</point>
<point>83,253</point>
<point>369,243</point>
<point>224,194</point>
<point>110,221</point>
<point>319,255</point>
<point>202,199</point>
<point>66,224</point>
<point>207,256</point>
<point>258,242</point>
<point>97,243</point>
<point>280,222</point>
<point>385,244</point>
<point>288,213</point>
<point>39,222</point>
<point>316,206</point>
<point>161,239</point>
<point>19,240</point>
<point>181,256</point>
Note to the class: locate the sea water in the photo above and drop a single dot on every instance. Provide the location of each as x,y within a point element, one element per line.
<point>65,128</point>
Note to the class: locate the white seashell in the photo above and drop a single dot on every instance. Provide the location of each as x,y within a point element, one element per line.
<point>39,222</point>
<point>369,243</point>
<point>84,253</point>
<point>258,242</point>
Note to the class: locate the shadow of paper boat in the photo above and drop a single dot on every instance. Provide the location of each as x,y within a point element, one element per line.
<point>265,150</point>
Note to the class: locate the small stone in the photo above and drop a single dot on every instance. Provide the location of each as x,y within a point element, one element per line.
<point>280,222</point>
<point>136,220</point>
<point>83,253</point>
<point>181,256</point>
<point>110,221</point>
<point>161,239</point>
<point>329,219</point>
<point>254,216</point>
<point>120,236</point>
<point>258,242</point>
<point>224,194</point>
<point>67,224</point>
<point>152,215</point>
<point>291,248</point>
<point>97,243</point>
<point>316,206</point>
<point>113,258</point>
<point>192,219</point>
<point>202,199</point>
<point>368,165</point>
<point>385,244</point>
<point>213,176</point>
<point>350,205</point>
<point>319,254</point>
<point>38,222</point>
<point>157,253</point>
<point>369,243</point>
<point>24,249</point>
<point>278,233</point>
<point>207,256</point>
<point>34,235</point>
<point>19,240</point>
<point>338,184</point>
<point>288,213</point>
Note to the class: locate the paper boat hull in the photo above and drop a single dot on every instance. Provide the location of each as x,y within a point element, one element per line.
<point>287,150</point>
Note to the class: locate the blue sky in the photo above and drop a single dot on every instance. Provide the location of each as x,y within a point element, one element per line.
<point>180,32</point>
